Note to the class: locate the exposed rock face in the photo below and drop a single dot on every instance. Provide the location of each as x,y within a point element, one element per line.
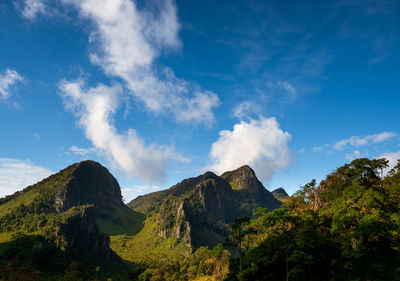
<point>91,183</point>
<point>243,178</point>
<point>280,193</point>
<point>250,191</point>
<point>69,204</point>
<point>199,210</point>
<point>78,231</point>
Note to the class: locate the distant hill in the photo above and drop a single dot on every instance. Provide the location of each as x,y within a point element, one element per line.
<point>197,211</point>
<point>280,193</point>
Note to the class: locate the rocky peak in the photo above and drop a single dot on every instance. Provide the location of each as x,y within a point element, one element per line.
<point>90,183</point>
<point>280,191</point>
<point>190,183</point>
<point>242,178</point>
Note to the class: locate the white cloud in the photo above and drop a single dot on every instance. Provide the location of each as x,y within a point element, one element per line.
<point>287,86</point>
<point>245,110</point>
<point>357,141</point>
<point>7,79</point>
<point>95,108</point>
<point>17,174</point>
<point>126,41</point>
<point>351,156</point>
<point>317,148</point>
<point>129,193</point>
<point>392,157</point>
<point>82,151</point>
<point>32,8</point>
<point>258,143</point>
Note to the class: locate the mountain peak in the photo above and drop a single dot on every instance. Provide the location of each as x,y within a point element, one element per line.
<point>241,178</point>
<point>281,191</point>
<point>91,183</point>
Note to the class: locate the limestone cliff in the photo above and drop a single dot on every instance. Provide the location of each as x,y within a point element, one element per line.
<point>198,210</point>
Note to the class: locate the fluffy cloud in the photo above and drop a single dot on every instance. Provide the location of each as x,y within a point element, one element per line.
<point>126,41</point>
<point>258,143</point>
<point>32,8</point>
<point>17,174</point>
<point>7,79</point>
<point>393,157</point>
<point>95,108</point>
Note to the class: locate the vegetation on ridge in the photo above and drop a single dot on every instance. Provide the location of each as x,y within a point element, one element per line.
<point>347,227</point>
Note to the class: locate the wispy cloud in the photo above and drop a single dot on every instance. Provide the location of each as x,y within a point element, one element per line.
<point>354,155</point>
<point>32,8</point>
<point>287,86</point>
<point>95,108</point>
<point>246,109</point>
<point>125,43</point>
<point>16,174</point>
<point>129,193</point>
<point>258,143</point>
<point>7,79</point>
<point>82,151</point>
<point>355,141</point>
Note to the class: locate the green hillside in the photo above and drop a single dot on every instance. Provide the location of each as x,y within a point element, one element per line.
<point>71,212</point>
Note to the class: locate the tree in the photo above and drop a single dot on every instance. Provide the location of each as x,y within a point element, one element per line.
<point>237,235</point>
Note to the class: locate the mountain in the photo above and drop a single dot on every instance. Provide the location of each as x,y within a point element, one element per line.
<point>280,193</point>
<point>77,216</point>
<point>73,211</point>
<point>197,211</point>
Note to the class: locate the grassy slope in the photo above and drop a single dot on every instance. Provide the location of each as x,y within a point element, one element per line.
<point>27,196</point>
<point>122,220</point>
<point>54,183</point>
<point>116,221</point>
<point>146,245</point>
<point>147,203</point>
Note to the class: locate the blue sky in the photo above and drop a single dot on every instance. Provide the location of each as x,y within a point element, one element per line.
<point>158,91</point>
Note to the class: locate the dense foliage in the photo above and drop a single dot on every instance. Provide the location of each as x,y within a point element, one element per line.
<point>204,264</point>
<point>345,228</point>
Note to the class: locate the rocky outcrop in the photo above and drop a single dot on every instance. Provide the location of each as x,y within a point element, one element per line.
<point>199,210</point>
<point>91,183</point>
<point>249,190</point>
<point>280,193</point>
<point>76,230</point>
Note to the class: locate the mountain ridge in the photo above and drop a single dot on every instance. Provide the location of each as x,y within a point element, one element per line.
<point>198,210</point>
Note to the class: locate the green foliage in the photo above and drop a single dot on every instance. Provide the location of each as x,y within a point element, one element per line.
<point>345,228</point>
